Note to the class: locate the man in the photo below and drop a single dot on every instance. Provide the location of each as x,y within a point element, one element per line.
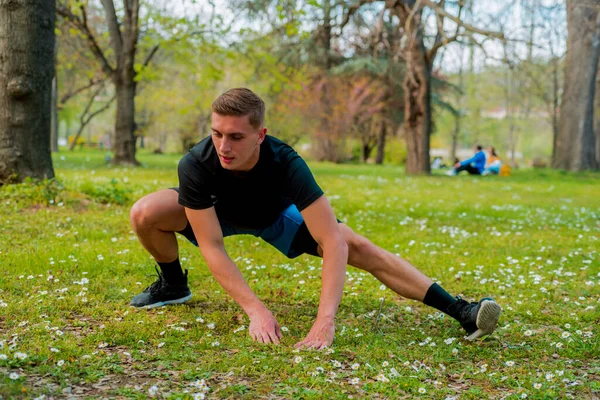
<point>474,165</point>
<point>241,181</point>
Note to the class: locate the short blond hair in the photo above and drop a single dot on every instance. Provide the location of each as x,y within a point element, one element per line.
<point>239,102</point>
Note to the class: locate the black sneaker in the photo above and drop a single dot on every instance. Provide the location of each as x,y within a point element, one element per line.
<point>161,293</point>
<point>477,318</point>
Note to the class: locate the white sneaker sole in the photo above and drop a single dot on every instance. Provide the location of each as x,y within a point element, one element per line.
<point>166,303</point>
<point>487,319</point>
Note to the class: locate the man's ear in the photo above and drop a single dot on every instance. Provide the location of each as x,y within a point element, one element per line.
<point>261,135</point>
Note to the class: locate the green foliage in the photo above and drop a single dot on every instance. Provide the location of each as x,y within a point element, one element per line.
<point>113,192</point>
<point>376,67</point>
<point>33,192</point>
<point>395,152</point>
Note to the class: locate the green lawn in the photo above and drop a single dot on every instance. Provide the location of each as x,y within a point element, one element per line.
<point>71,264</point>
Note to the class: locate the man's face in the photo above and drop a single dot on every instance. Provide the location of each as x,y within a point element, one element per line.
<point>236,141</point>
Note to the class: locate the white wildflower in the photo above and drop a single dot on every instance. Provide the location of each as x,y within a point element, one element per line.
<point>153,390</point>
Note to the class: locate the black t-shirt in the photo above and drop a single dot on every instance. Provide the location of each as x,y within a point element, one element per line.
<point>252,199</point>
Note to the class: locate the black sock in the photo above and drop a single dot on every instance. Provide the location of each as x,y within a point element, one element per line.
<point>171,271</point>
<point>437,297</point>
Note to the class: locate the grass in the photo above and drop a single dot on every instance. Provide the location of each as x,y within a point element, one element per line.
<point>71,264</point>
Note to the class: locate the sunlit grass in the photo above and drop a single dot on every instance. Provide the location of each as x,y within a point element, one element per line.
<point>71,265</point>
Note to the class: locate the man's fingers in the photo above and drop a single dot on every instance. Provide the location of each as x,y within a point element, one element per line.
<point>278,331</point>
<point>265,337</point>
<point>273,337</point>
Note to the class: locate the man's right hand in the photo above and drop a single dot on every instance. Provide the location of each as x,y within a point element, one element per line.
<point>264,327</point>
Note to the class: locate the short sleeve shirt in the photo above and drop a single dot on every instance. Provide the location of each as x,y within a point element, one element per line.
<point>252,199</point>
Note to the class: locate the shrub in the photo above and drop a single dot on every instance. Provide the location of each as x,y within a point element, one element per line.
<point>113,192</point>
<point>34,192</point>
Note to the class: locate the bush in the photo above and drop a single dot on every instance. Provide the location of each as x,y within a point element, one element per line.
<point>395,152</point>
<point>114,192</point>
<point>34,192</point>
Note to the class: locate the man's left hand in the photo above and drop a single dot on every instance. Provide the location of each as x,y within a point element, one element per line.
<point>320,336</point>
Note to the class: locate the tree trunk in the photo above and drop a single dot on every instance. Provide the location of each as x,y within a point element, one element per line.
<point>54,116</point>
<point>54,106</point>
<point>555,105</point>
<point>588,141</point>
<point>455,137</point>
<point>366,152</point>
<point>417,103</point>
<point>597,120</point>
<point>329,147</point>
<point>26,71</point>
<point>125,124</point>
<point>575,145</point>
<point>381,144</point>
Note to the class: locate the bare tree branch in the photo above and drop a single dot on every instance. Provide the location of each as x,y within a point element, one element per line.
<point>135,25</point>
<point>92,83</point>
<point>150,55</point>
<point>85,119</point>
<point>116,36</point>
<point>352,9</point>
<point>439,10</point>
<point>438,45</point>
<point>82,25</point>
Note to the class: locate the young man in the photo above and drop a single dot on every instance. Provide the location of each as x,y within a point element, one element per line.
<point>241,181</point>
<point>474,165</point>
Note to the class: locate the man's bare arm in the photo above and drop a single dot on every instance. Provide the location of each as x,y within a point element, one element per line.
<point>324,228</point>
<point>205,224</point>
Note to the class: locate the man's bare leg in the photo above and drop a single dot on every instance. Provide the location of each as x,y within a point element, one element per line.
<point>478,319</point>
<point>155,218</point>
<point>394,272</point>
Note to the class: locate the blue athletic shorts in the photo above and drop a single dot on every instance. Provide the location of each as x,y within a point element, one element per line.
<point>288,233</point>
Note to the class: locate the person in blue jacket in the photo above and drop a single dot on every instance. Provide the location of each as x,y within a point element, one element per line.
<point>474,165</point>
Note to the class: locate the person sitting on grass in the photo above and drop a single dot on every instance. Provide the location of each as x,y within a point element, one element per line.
<point>242,181</point>
<point>493,163</point>
<point>474,165</point>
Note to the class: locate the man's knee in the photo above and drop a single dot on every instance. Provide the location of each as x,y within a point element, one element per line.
<point>359,247</point>
<point>141,214</point>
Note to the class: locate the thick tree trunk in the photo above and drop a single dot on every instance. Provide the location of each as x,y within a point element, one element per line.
<point>26,71</point>
<point>575,145</point>
<point>125,124</point>
<point>417,103</point>
<point>381,144</point>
